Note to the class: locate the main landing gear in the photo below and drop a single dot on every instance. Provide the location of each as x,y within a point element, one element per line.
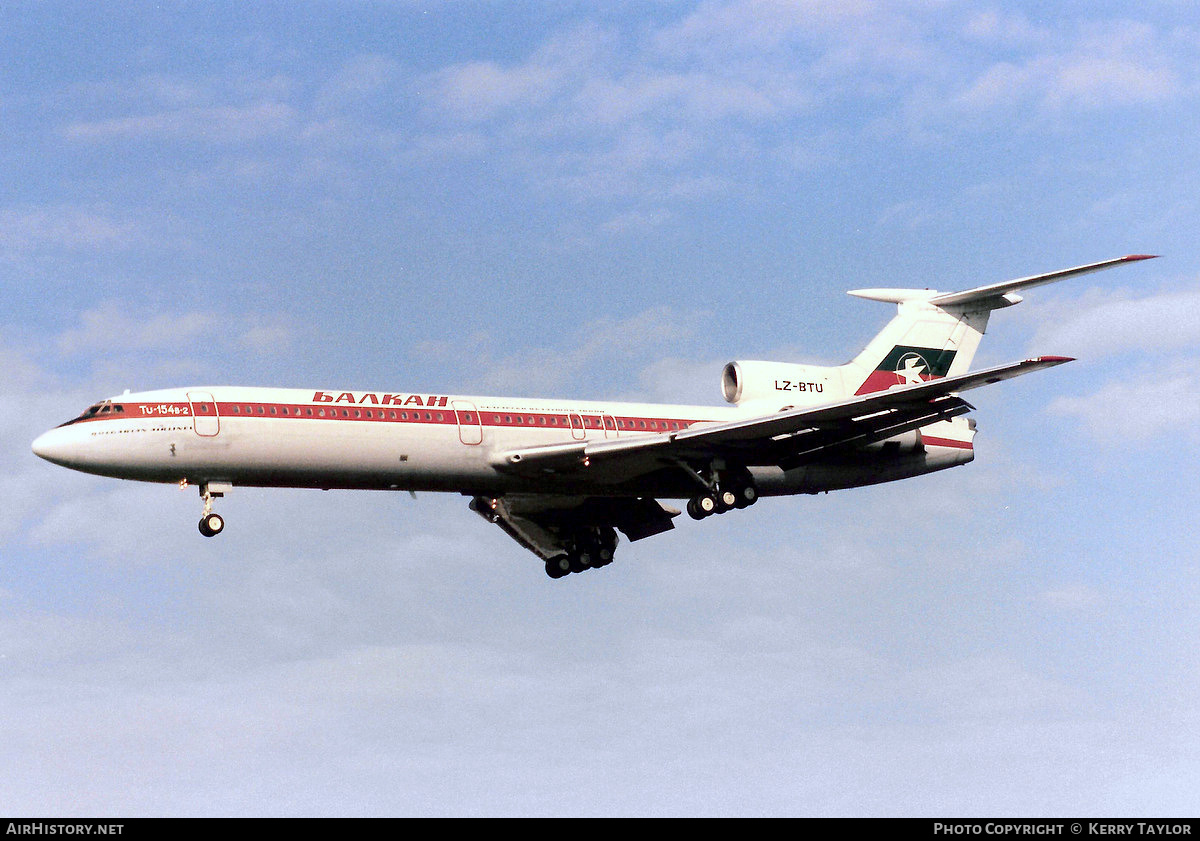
<point>211,523</point>
<point>723,495</point>
<point>591,548</point>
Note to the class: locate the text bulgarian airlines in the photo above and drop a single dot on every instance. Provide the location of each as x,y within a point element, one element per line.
<point>382,400</point>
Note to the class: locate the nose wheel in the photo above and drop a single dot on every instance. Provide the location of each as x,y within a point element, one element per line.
<point>211,523</point>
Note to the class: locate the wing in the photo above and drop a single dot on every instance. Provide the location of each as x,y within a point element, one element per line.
<point>556,526</point>
<point>787,439</point>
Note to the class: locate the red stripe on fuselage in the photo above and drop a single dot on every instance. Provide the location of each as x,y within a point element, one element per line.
<point>953,443</point>
<point>590,419</point>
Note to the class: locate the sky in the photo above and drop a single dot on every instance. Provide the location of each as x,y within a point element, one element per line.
<point>611,200</point>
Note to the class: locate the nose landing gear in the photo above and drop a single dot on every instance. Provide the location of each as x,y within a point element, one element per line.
<point>211,523</point>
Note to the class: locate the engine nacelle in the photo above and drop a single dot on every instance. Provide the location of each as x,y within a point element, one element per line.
<point>782,382</point>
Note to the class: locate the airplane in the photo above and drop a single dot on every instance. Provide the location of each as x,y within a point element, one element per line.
<point>562,477</point>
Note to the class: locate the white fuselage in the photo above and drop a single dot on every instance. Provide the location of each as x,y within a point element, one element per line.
<point>432,442</point>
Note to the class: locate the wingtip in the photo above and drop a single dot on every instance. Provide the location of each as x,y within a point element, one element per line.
<point>1130,258</point>
<point>1054,360</point>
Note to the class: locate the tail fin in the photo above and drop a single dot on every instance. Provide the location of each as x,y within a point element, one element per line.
<point>935,334</point>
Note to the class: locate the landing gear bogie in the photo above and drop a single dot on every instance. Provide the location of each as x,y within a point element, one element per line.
<point>591,549</point>
<point>725,496</point>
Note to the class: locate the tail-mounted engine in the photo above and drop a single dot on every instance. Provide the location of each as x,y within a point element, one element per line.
<point>780,382</point>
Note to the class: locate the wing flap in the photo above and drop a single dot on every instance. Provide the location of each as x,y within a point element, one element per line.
<point>863,433</point>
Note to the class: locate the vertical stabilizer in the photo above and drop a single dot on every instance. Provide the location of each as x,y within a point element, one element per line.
<point>922,342</point>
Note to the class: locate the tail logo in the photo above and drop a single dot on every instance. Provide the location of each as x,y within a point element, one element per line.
<point>910,367</point>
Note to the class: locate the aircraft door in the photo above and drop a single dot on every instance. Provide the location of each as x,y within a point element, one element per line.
<point>205,419</point>
<point>470,430</point>
<point>578,430</point>
<point>610,426</point>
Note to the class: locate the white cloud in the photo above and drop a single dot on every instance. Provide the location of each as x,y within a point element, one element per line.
<point>361,78</point>
<point>1082,598</point>
<point>216,124</point>
<point>481,89</point>
<point>675,380</point>
<point>70,227</point>
<point>994,26</point>
<point>1110,65</point>
<point>688,97</point>
<point>547,371</point>
<point>1116,80</point>
<point>1141,408</point>
<point>1103,324</point>
<point>268,338</point>
<point>116,328</point>
<point>758,25</point>
<point>112,324</point>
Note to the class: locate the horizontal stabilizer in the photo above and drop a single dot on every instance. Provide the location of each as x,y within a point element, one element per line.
<point>992,296</point>
<point>999,290</point>
<point>894,296</point>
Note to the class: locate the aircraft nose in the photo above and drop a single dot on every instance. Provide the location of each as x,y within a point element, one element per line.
<point>52,446</point>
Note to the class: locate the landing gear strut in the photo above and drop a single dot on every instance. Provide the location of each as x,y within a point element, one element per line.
<point>591,548</point>
<point>212,523</point>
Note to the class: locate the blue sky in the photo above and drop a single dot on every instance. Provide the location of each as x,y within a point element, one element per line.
<point>567,199</point>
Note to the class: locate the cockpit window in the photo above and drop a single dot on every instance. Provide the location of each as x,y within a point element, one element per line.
<point>104,407</point>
